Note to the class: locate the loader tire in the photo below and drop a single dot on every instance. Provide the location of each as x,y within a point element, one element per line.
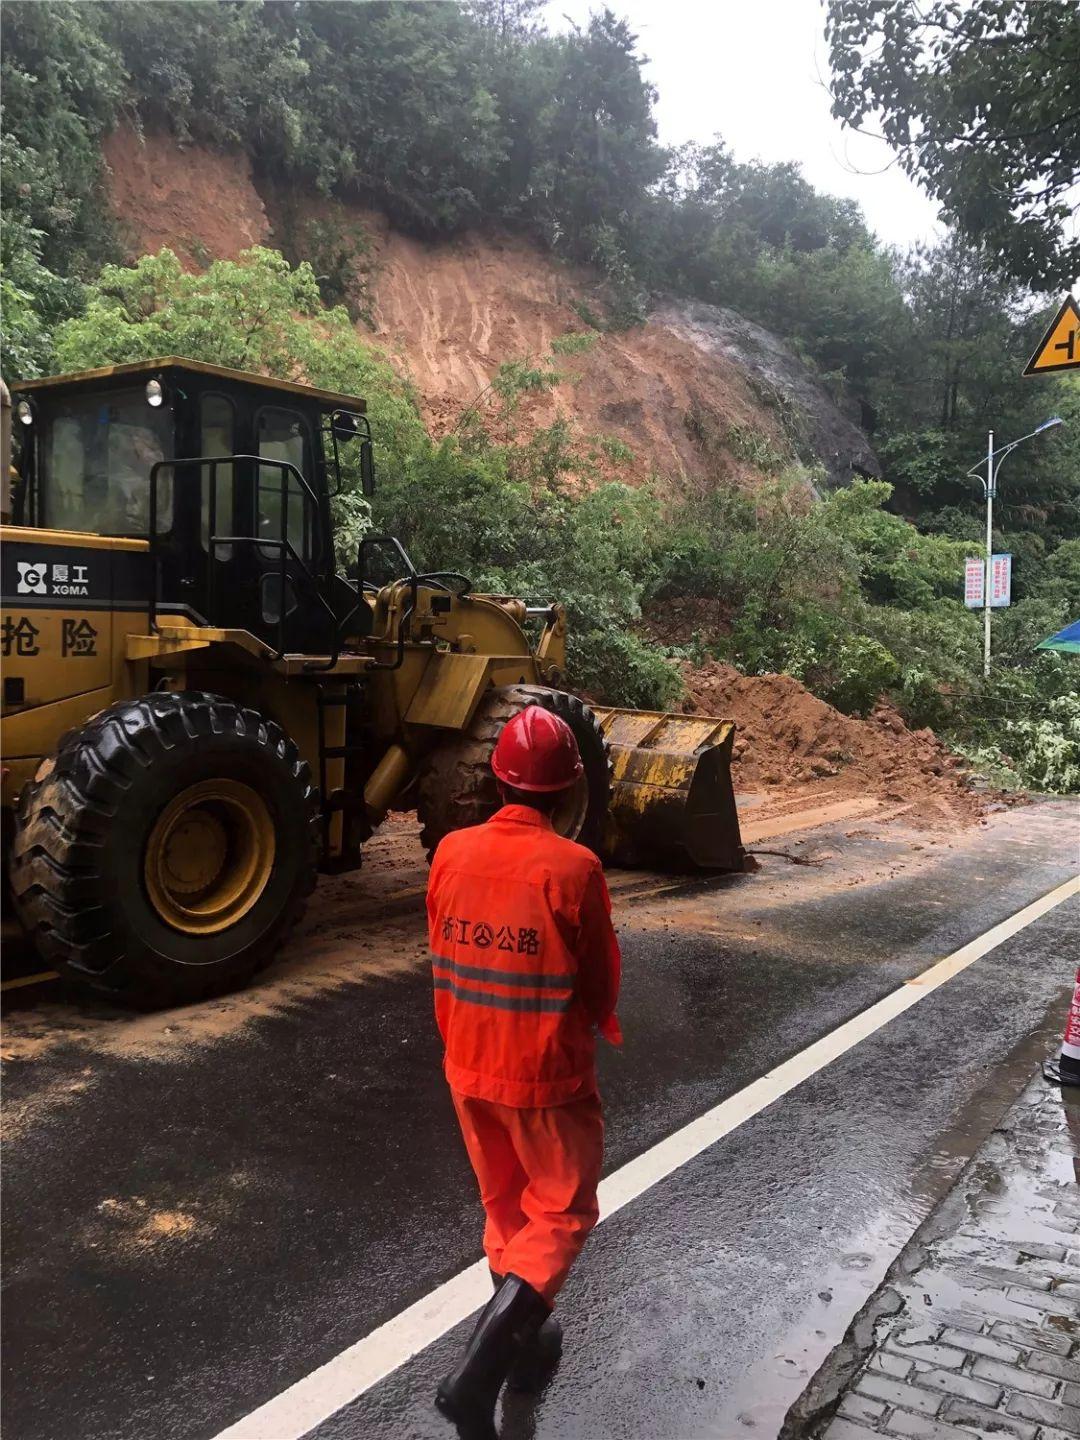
<point>457,787</point>
<point>167,849</point>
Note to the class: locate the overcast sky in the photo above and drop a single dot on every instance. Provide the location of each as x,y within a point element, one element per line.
<point>754,72</point>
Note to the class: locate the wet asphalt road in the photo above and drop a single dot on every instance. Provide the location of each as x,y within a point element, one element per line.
<point>187,1234</point>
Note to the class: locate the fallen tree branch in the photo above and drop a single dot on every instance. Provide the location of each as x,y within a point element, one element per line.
<point>787,855</point>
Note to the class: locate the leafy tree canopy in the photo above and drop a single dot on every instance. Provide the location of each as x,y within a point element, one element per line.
<point>979,99</point>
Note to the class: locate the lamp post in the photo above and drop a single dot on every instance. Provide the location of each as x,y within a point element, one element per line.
<point>994,461</point>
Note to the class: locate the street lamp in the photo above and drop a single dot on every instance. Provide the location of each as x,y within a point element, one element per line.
<point>994,461</point>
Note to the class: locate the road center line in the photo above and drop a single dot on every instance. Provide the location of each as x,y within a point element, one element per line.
<point>310,1401</point>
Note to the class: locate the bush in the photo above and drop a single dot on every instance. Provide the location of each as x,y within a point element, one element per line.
<point>619,668</point>
<point>1062,576</point>
<point>1026,723</point>
<point>1040,751</point>
<point>860,673</point>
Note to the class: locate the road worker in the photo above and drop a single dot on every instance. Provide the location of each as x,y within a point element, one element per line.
<point>526,971</point>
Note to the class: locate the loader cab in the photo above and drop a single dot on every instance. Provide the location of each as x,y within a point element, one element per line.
<point>227,476</point>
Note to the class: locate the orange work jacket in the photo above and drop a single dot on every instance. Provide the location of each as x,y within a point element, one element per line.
<point>525,960</point>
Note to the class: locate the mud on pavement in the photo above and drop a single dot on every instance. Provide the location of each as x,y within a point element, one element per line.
<point>369,925</point>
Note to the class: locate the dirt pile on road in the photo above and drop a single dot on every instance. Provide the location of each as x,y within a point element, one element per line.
<point>788,740</point>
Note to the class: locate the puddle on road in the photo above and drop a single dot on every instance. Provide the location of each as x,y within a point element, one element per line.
<point>990,1252</point>
<point>757,1407</point>
<point>1011,1207</point>
<point>981,1112</point>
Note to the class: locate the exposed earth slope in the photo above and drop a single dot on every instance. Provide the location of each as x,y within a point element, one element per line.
<point>693,391</point>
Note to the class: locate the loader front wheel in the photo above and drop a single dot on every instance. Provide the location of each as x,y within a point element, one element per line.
<point>457,787</point>
<point>167,849</point>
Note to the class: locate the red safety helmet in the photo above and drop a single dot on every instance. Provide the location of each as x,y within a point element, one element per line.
<point>536,751</point>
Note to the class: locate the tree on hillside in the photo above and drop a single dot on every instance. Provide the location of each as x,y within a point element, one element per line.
<point>596,155</point>
<point>965,320</point>
<point>957,376</point>
<point>980,101</point>
<point>215,73</point>
<point>761,239</point>
<point>62,91</point>
<point>509,21</point>
<point>397,109</point>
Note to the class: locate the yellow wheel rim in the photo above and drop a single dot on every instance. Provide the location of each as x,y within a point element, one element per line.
<point>209,856</point>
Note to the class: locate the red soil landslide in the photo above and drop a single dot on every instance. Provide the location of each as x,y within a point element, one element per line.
<point>449,314</point>
<point>791,744</point>
<point>201,203</point>
<point>453,312</point>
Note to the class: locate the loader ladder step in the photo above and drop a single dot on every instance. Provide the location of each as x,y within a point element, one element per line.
<point>332,802</point>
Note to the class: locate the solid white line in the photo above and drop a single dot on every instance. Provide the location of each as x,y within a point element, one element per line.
<point>347,1376</point>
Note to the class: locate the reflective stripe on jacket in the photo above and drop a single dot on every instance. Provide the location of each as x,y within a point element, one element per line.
<point>524,959</point>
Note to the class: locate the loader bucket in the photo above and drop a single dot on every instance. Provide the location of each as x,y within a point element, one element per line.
<point>672,802</point>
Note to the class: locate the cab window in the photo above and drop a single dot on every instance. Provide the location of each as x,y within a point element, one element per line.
<point>283,435</point>
<point>97,457</point>
<point>216,438</point>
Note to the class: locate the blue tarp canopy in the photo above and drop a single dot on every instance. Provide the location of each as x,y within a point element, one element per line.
<point>1067,639</point>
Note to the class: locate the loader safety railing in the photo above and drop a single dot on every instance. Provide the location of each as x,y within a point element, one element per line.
<point>437,579</point>
<point>299,573</point>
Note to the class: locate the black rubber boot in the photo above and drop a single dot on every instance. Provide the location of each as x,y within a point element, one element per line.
<point>538,1357</point>
<point>510,1320</point>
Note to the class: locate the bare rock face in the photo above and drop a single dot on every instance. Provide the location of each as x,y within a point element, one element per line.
<point>820,429</point>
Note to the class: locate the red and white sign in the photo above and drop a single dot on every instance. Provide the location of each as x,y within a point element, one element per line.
<point>974,570</point>
<point>1001,582</point>
<point>1071,1045</point>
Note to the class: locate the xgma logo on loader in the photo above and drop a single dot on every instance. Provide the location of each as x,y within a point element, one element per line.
<point>66,579</point>
<point>32,578</point>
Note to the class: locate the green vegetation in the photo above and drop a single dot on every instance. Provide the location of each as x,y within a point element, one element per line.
<point>451,116</point>
<point>979,101</point>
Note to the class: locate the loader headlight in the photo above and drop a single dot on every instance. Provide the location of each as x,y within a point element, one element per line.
<point>25,411</point>
<point>155,394</point>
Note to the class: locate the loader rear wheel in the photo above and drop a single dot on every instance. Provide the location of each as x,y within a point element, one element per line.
<point>167,849</point>
<point>457,787</point>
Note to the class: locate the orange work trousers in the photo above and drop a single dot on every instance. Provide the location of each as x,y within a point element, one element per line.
<point>538,1171</point>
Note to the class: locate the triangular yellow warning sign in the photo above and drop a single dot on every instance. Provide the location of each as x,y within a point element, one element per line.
<point>1059,349</point>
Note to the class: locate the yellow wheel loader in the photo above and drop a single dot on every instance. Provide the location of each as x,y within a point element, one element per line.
<point>200,713</point>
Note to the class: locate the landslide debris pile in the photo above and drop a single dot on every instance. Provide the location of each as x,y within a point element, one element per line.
<point>788,740</point>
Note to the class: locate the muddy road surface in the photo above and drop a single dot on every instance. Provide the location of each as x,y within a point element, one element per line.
<point>204,1207</point>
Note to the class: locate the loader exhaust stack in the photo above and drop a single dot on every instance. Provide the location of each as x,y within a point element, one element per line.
<point>672,801</point>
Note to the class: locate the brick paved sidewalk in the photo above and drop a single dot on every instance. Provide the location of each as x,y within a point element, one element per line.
<point>976,1329</point>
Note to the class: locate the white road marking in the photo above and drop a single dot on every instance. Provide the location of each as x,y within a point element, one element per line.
<point>347,1376</point>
